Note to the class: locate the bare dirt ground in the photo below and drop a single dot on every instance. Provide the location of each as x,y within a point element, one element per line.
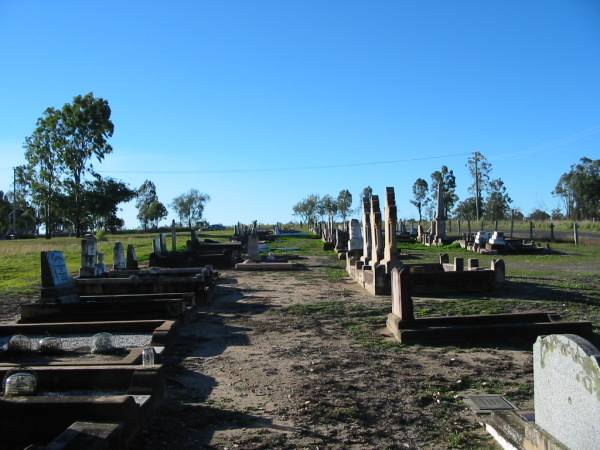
<point>298,360</point>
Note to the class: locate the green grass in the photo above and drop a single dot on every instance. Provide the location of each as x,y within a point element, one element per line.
<point>20,259</point>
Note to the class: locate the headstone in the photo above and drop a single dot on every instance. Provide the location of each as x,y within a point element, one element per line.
<point>390,251</point>
<point>420,232</point>
<point>355,241</point>
<point>366,232</point>
<point>119,262</point>
<point>566,375</point>
<point>444,258</point>
<point>57,283</point>
<point>341,240</point>
<point>163,243</point>
<point>173,237</point>
<point>440,214</point>
<point>132,262</point>
<point>253,251</point>
<point>402,305</point>
<point>88,256</point>
<point>499,269</point>
<point>156,248</point>
<point>194,237</point>
<point>100,266</point>
<point>459,264</point>
<point>472,264</point>
<point>376,234</point>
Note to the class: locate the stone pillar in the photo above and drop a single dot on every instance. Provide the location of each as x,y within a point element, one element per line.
<point>440,215</point>
<point>459,264</point>
<point>355,241</point>
<point>366,232</point>
<point>390,253</point>
<point>132,262</point>
<point>89,256</point>
<point>119,256</point>
<point>376,234</point>
<point>402,304</point>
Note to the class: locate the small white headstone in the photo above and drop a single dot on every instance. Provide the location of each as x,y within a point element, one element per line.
<point>566,376</point>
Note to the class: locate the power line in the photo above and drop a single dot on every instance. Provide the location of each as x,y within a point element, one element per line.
<point>287,169</point>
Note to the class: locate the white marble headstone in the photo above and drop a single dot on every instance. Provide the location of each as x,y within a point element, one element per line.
<point>567,390</point>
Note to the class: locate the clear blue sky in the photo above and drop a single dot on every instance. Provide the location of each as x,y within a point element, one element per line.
<point>214,86</point>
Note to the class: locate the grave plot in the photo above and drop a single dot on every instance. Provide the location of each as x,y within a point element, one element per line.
<point>501,329</point>
<point>566,400</point>
<point>197,252</point>
<point>79,343</point>
<point>493,243</point>
<point>380,254</point>
<point>127,278</point>
<point>41,403</point>
<point>256,262</point>
<point>60,302</point>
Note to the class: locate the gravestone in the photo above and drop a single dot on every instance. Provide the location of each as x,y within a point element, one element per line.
<point>119,262</point>
<point>156,247</point>
<point>132,262</point>
<point>253,252</point>
<point>100,266</point>
<point>566,375</point>
<point>440,216</point>
<point>376,234</point>
<point>57,284</point>
<point>366,232</point>
<point>341,240</point>
<point>88,256</point>
<point>390,253</point>
<point>355,242</point>
<point>443,258</point>
<point>163,243</point>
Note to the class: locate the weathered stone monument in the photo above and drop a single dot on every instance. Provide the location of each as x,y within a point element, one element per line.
<point>567,390</point>
<point>566,384</point>
<point>376,232</point>
<point>390,252</point>
<point>355,241</point>
<point>119,262</point>
<point>57,284</point>
<point>440,216</point>
<point>132,261</point>
<point>366,233</point>
<point>89,256</point>
<point>253,252</point>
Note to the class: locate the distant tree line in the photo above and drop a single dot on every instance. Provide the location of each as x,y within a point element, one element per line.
<point>579,189</point>
<point>314,209</point>
<point>59,189</point>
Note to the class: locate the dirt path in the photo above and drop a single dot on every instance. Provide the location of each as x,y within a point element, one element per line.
<point>295,360</point>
